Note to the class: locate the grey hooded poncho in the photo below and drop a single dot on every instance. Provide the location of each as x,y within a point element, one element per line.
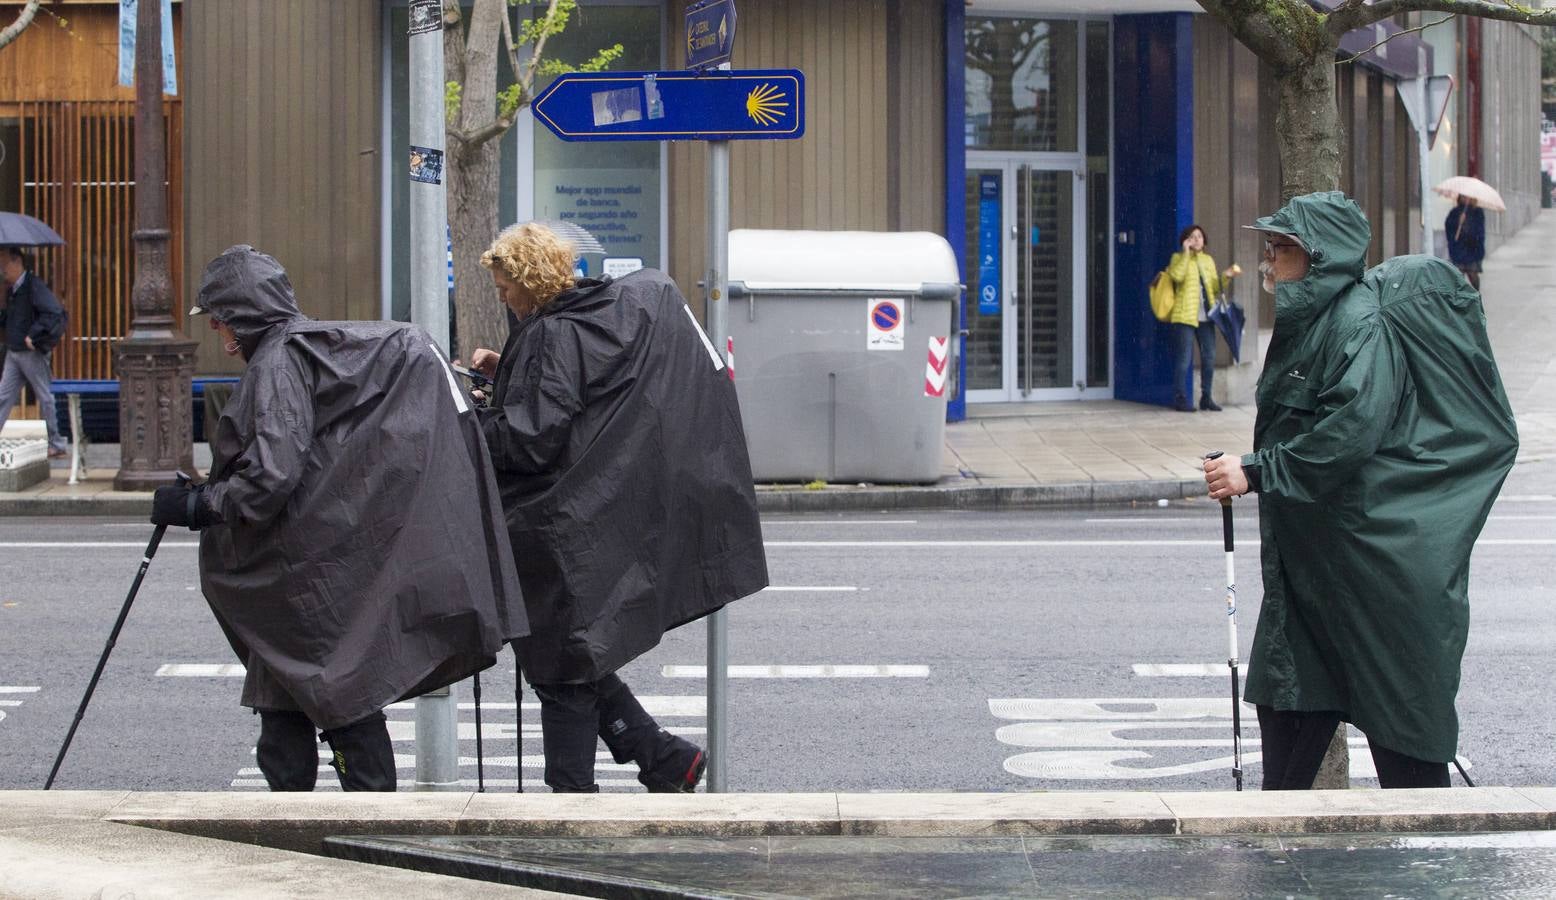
<point>362,558</point>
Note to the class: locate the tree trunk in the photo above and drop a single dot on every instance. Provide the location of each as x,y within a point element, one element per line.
<point>480,320</point>
<point>1307,127</point>
<point>1308,133</point>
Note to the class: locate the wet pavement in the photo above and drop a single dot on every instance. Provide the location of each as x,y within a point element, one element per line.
<point>1518,864</point>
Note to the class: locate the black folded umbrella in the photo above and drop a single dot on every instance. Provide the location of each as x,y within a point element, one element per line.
<point>17,230</point>
<point>1229,319</point>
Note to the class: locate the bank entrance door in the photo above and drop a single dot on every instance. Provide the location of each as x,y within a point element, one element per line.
<point>1027,297</point>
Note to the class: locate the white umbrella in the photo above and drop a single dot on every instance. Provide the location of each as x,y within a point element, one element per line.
<point>1482,193</point>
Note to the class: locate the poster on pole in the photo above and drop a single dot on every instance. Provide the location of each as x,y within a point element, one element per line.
<point>127,14</point>
<point>426,15</point>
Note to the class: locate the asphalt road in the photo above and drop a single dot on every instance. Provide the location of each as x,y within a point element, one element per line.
<point>938,651</point>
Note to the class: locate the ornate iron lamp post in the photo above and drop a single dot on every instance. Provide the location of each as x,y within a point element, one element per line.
<point>154,363</point>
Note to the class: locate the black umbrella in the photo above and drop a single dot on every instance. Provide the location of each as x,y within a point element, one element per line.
<point>1229,319</point>
<point>17,230</point>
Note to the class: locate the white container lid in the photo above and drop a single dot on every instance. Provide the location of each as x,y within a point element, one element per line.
<point>840,260</point>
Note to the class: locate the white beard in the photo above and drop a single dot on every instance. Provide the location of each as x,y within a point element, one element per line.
<point>1267,277</point>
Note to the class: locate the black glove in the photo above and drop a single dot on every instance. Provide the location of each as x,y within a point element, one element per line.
<point>182,504</point>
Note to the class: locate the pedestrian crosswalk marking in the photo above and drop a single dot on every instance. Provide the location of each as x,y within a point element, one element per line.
<point>13,689</point>
<point>1181,670</point>
<point>201,670</point>
<point>803,671</point>
<point>402,732</point>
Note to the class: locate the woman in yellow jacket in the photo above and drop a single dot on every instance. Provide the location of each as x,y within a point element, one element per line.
<point>1198,284</point>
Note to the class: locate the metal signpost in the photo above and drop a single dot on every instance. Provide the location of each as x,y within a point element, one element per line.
<point>715,105</point>
<point>437,739</point>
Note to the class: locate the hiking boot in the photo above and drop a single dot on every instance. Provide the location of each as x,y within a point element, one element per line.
<point>680,774</point>
<point>1208,405</point>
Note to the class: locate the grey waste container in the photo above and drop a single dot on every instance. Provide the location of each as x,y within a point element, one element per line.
<point>844,352</point>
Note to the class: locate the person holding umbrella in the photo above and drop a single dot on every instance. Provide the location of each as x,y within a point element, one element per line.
<point>33,319</point>
<point>1465,226</point>
<point>1382,438</point>
<point>1466,229</point>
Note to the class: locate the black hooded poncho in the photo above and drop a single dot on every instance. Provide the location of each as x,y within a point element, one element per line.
<point>617,441</point>
<point>362,557</point>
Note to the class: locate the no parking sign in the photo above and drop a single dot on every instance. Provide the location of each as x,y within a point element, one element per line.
<point>887,326</point>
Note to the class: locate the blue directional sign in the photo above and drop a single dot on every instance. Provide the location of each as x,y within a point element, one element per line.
<point>710,33</point>
<point>719,105</point>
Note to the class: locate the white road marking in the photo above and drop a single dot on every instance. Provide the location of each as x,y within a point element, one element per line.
<point>657,706</point>
<point>766,522</point>
<point>843,671</point>
<point>90,545</point>
<point>810,589</point>
<point>17,689</point>
<point>1526,498</point>
<point>1109,739</point>
<point>1180,670</point>
<point>201,670</point>
<point>993,544</point>
<point>1152,520</point>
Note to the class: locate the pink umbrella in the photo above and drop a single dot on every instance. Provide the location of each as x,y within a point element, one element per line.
<point>1482,193</point>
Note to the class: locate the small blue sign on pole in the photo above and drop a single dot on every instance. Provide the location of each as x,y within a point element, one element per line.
<point>989,212</point>
<point>720,105</point>
<point>710,33</point>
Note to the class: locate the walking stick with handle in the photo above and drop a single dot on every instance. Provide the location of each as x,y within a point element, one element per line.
<point>1231,634</point>
<point>113,637</point>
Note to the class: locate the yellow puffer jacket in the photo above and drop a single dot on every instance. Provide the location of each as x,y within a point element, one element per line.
<point>1181,270</point>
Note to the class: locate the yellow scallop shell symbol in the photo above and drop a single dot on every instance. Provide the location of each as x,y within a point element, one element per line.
<point>765,105</point>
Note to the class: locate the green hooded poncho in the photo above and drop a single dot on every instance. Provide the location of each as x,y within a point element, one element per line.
<point>1382,438</point>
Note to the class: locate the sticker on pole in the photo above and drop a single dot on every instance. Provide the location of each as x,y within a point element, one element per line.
<point>935,367</point>
<point>426,165</point>
<point>425,16</point>
<point>887,326</point>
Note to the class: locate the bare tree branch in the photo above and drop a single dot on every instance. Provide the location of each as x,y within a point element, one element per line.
<point>486,132</point>
<point>1348,19</point>
<point>22,21</point>
<point>528,77</point>
<point>1447,18</point>
<point>1252,23</point>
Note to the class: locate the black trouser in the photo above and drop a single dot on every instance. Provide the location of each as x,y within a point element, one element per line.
<point>288,752</point>
<point>574,717</point>
<point>1294,744</point>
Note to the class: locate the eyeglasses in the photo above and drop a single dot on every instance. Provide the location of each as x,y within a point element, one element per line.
<point>1270,247</point>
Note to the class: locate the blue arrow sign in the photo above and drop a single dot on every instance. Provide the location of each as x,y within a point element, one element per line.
<point>720,105</point>
<point>710,33</point>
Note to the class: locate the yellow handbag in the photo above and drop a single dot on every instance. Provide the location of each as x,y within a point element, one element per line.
<point>1163,296</point>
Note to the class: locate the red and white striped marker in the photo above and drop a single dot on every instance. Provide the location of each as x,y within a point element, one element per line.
<point>935,367</point>
<point>729,355</point>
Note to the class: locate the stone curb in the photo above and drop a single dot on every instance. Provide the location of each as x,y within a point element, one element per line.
<point>769,498</point>
<point>300,822</point>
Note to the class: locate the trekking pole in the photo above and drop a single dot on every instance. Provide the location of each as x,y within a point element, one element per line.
<point>1231,634</point>
<point>1463,774</point>
<point>113,637</point>
<point>518,723</point>
<point>480,760</point>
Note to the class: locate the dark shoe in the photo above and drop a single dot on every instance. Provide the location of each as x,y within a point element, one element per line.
<point>1208,405</point>
<point>1183,406</point>
<point>679,775</point>
<point>56,453</point>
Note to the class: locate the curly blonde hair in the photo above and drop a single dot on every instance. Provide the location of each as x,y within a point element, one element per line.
<point>535,257</point>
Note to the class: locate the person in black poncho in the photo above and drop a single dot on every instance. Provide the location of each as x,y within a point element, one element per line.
<point>619,451</point>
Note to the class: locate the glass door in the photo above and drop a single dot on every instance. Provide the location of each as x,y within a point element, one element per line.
<point>1027,310</point>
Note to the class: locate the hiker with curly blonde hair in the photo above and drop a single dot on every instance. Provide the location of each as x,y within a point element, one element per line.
<point>616,438</point>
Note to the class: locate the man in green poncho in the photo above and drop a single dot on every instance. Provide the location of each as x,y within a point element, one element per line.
<point>1382,438</point>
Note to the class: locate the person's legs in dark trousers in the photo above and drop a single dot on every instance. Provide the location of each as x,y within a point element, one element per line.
<point>1293,746</point>
<point>288,750</point>
<point>1205,337</point>
<point>1396,770</point>
<point>362,755</point>
<point>570,726</point>
<point>666,763</point>
<point>1182,360</point>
